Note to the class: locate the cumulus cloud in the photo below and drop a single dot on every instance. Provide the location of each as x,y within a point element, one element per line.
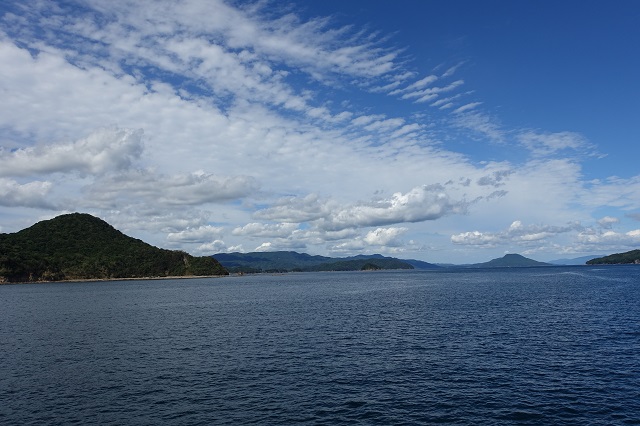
<point>201,234</point>
<point>297,209</point>
<point>428,202</point>
<point>103,151</point>
<point>385,236</point>
<point>31,194</point>
<point>607,222</point>
<point>279,230</point>
<point>517,233</point>
<point>612,240</point>
<point>213,247</point>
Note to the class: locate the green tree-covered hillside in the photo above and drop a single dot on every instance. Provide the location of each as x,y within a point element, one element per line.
<point>81,246</point>
<point>632,256</point>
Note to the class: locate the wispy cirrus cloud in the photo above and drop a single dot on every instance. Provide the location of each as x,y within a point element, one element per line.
<point>542,144</point>
<point>263,129</point>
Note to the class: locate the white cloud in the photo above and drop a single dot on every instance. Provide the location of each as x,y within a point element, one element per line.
<point>467,107</point>
<point>607,222</point>
<point>542,144</point>
<point>31,194</point>
<point>201,234</point>
<point>213,247</point>
<point>609,239</point>
<point>451,70</point>
<point>423,82</point>
<point>430,93</point>
<point>480,124</point>
<point>279,230</point>
<point>385,236</point>
<point>428,202</point>
<point>265,247</point>
<point>103,151</point>
<point>146,186</point>
<point>297,209</point>
<point>253,117</point>
<point>517,233</point>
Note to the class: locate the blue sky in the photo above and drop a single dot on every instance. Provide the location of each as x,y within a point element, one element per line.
<point>447,131</point>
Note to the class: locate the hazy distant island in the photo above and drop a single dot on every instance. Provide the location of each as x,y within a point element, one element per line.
<point>291,261</point>
<point>80,246</point>
<point>628,257</point>
<point>511,260</point>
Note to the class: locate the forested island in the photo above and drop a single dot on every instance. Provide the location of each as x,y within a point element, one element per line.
<point>80,246</point>
<point>632,256</point>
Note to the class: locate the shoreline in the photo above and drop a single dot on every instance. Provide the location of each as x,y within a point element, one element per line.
<point>91,280</point>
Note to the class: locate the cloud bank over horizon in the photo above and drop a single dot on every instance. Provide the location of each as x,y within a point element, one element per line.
<point>213,126</point>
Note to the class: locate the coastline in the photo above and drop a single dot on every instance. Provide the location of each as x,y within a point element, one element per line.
<point>90,280</point>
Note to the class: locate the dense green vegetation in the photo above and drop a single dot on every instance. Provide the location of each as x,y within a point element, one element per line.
<point>632,256</point>
<point>81,246</point>
<point>291,261</point>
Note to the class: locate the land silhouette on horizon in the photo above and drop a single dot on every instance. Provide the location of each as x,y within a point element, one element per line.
<point>79,246</point>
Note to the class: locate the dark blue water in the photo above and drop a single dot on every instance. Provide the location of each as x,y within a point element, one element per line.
<point>525,346</point>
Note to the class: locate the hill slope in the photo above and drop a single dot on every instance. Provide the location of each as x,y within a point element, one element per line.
<point>632,256</point>
<point>81,246</point>
<point>510,261</point>
<point>287,261</point>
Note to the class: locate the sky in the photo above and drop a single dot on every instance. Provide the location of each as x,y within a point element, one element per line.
<point>450,131</point>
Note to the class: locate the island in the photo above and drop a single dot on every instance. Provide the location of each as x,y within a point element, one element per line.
<point>79,246</point>
<point>291,261</point>
<point>628,257</point>
<point>512,260</point>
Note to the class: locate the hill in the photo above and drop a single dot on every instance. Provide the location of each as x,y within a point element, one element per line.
<point>291,261</point>
<point>80,246</point>
<point>632,256</point>
<point>510,261</point>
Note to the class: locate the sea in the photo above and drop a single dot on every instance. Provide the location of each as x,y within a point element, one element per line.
<point>546,345</point>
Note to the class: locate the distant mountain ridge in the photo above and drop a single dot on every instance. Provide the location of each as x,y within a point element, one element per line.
<point>511,260</point>
<point>290,261</point>
<point>582,260</point>
<point>79,246</point>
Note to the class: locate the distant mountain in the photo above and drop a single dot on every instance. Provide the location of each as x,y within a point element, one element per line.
<point>291,261</point>
<point>510,261</point>
<point>419,264</point>
<point>632,256</point>
<point>576,260</point>
<point>80,246</point>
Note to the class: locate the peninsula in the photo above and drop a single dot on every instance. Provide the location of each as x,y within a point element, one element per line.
<point>80,246</point>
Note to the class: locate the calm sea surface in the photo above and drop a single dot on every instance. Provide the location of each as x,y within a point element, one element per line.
<point>521,346</point>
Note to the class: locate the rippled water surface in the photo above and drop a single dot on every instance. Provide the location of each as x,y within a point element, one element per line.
<point>527,346</point>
